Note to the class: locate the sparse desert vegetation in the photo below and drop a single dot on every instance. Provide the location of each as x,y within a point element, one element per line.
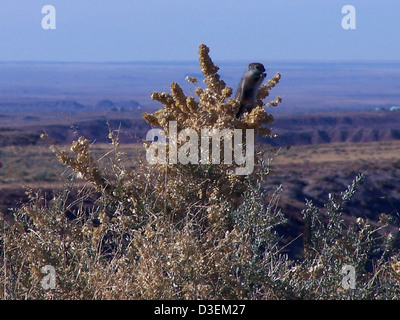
<point>114,227</point>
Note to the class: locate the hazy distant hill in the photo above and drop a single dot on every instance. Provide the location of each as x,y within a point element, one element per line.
<point>66,106</point>
<point>42,106</point>
<point>304,86</point>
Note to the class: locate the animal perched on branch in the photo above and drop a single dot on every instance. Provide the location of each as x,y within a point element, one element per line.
<point>249,86</point>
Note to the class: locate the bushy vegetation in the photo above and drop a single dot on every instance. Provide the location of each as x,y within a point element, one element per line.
<point>174,231</point>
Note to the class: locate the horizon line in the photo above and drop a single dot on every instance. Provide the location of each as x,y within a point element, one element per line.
<point>295,61</point>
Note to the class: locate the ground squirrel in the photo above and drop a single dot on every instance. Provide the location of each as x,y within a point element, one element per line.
<point>248,87</point>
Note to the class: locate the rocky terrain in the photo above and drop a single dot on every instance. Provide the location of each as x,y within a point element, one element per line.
<point>291,130</point>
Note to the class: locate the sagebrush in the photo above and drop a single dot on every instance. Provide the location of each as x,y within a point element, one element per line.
<point>176,231</point>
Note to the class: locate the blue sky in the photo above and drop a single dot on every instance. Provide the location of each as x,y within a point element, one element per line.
<point>171,30</point>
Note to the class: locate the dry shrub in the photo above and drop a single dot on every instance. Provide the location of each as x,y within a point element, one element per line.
<point>194,231</point>
<point>212,108</point>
